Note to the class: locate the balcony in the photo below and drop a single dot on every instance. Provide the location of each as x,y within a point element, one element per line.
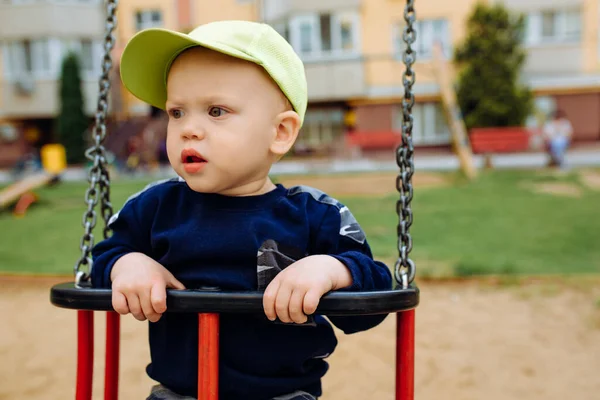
<point>39,99</point>
<point>335,80</point>
<point>274,10</point>
<point>552,59</point>
<point>38,19</point>
<point>327,37</point>
<point>537,4</point>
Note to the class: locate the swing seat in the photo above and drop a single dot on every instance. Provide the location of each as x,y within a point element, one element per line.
<point>67,295</point>
<point>209,304</point>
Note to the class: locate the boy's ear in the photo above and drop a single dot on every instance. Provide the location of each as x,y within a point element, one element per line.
<point>288,126</point>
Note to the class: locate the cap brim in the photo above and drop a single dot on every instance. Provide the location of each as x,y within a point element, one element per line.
<point>148,56</point>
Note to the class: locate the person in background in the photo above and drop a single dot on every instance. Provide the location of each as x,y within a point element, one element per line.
<point>558,132</point>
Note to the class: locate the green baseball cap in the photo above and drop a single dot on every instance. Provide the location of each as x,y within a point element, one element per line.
<point>148,56</point>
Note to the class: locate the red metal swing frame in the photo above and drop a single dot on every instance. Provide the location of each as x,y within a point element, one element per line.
<point>208,355</point>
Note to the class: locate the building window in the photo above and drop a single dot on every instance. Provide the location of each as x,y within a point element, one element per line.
<point>429,33</point>
<point>41,57</point>
<point>348,32</point>
<point>307,37</point>
<point>320,129</point>
<point>549,24</point>
<point>86,54</point>
<point>429,127</point>
<point>325,35</point>
<point>26,50</point>
<point>28,58</point>
<point>572,24</point>
<point>554,26</point>
<point>89,54</point>
<point>146,19</point>
<point>325,31</point>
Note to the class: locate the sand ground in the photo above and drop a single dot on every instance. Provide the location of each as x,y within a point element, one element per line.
<point>474,341</point>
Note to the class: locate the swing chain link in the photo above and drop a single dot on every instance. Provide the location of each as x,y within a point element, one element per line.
<point>98,177</point>
<point>405,268</point>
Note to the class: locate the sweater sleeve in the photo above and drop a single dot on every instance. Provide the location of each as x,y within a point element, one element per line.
<point>130,233</point>
<point>340,236</point>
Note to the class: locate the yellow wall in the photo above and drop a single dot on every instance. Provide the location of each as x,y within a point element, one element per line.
<point>2,82</point>
<point>591,44</point>
<point>128,9</point>
<point>207,11</point>
<point>379,16</point>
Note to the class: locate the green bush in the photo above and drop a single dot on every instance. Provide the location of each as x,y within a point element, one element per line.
<point>490,61</point>
<point>72,123</point>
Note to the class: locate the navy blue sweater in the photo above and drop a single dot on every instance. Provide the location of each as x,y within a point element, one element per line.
<point>239,243</point>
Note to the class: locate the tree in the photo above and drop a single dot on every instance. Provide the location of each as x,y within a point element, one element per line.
<point>490,60</point>
<point>72,122</point>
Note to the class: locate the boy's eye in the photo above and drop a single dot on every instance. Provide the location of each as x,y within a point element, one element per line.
<point>176,113</point>
<point>216,112</point>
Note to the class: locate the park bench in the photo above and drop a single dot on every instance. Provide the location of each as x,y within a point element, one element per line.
<point>376,140</point>
<point>499,140</point>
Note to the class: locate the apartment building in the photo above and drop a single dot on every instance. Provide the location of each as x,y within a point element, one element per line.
<point>352,50</point>
<point>34,37</point>
<point>563,63</point>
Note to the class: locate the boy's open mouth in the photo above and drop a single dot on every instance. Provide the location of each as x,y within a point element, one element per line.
<point>192,160</point>
<point>190,156</point>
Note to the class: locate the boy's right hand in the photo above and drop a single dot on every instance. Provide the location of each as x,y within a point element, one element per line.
<point>139,287</point>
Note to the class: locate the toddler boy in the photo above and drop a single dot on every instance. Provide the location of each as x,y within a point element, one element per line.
<point>236,97</point>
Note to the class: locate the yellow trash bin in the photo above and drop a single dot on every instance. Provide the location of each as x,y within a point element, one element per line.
<point>54,158</point>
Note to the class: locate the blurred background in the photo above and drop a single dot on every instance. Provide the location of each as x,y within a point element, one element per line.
<point>352,50</point>
<point>507,185</point>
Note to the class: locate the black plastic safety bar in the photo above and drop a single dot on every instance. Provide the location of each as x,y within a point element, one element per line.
<point>67,295</point>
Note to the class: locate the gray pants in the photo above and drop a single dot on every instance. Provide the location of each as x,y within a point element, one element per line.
<point>160,392</point>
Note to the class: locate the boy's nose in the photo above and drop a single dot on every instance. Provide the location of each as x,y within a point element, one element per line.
<point>193,133</point>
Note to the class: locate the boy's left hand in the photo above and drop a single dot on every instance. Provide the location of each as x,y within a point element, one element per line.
<point>296,291</point>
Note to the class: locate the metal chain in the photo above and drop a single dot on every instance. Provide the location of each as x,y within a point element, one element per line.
<point>98,178</point>
<point>405,268</point>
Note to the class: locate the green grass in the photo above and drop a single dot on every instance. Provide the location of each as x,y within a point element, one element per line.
<point>494,225</point>
<point>47,239</point>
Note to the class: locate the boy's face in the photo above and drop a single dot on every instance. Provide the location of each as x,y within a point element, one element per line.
<point>224,116</point>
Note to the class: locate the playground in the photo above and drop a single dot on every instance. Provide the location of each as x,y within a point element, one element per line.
<point>539,339</point>
<point>508,263</point>
<point>529,332</point>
